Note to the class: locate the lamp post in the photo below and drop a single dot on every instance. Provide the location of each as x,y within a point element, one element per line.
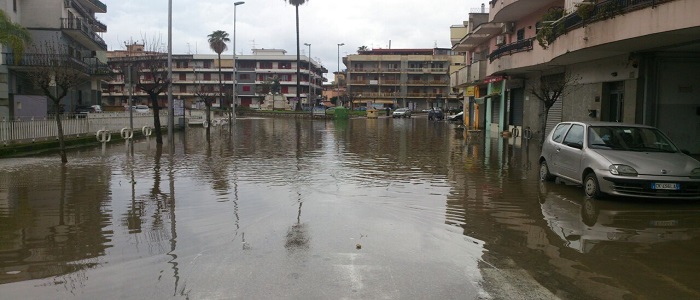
<point>337,80</point>
<point>311,105</point>
<point>171,109</point>
<point>235,80</point>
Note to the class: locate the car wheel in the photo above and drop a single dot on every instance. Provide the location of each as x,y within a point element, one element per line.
<point>591,186</point>
<point>544,172</point>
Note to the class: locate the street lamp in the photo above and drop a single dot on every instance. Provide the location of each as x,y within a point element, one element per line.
<point>337,81</point>
<point>235,80</point>
<point>311,73</point>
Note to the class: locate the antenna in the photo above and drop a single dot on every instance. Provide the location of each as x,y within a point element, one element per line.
<point>252,44</point>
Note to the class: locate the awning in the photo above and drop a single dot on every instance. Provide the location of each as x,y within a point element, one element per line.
<point>481,100</point>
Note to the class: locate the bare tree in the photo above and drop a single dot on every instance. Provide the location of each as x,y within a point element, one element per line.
<point>151,67</point>
<point>549,90</point>
<point>206,94</point>
<point>55,72</point>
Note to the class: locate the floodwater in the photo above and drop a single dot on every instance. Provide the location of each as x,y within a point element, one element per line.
<point>362,209</point>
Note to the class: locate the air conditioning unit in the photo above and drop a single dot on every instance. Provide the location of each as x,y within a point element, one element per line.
<point>500,40</point>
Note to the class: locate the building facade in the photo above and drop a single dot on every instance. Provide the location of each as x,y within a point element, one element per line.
<point>624,61</point>
<point>197,75</point>
<point>61,23</point>
<point>413,78</point>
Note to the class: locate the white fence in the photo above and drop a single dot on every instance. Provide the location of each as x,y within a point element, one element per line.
<point>43,129</point>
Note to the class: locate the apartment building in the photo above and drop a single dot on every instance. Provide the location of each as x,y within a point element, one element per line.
<point>633,61</point>
<point>413,78</point>
<point>197,75</point>
<point>69,23</point>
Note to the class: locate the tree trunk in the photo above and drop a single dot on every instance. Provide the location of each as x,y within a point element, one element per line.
<point>59,128</point>
<point>207,103</point>
<point>221,87</point>
<point>543,127</point>
<point>156,119</point>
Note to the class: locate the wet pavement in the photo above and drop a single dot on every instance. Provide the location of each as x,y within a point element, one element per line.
<point>299,209</point>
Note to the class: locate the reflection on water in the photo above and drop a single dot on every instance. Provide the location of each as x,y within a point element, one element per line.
<point>278,207</point>
<point>587,224</point>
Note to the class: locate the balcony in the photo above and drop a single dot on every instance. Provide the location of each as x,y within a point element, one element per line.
<point>82,31</point>
<point>91,66</point>
<point>460,78</point>
<point>480,35</point>
<point>95,5</point>
<point>600,11</point>
<point>513,10</point>
<point>518,46</point>
<point>477,71</point>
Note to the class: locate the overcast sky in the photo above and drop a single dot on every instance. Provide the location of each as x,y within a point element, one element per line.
<point>271,24</point>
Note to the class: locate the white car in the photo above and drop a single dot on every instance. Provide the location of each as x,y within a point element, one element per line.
<point>401,113</point>
<point>140,109</point>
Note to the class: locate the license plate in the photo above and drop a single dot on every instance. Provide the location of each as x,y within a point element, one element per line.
<point>664,223</point>
<point>665,186</point>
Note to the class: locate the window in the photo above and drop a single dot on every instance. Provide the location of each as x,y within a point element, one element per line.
<point>183,89</point>
<point>244,76</point>
<point>185,64</point>
<point>183,76</point>
<point>207,76</point>
<point>285,65</point>
<point>575,137</point>
<point>520,34</point>
<point>559,132</point>
<point>246,88</point>
<point>285,89</point>
<point>265,65</point>
<point>207,64</point>
<point>227,76</point>
<point>14,5</point>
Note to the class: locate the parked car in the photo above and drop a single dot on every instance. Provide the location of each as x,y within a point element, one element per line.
<point>140,109</point>
<point>456,118</point>
<point>401,113</point>
<point>436,114</point>
<point>84,109</point>
<point>619,159</point>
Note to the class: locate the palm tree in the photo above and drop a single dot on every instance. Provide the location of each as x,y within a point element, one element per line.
<point>296,4</point>
<point>217,42</point>
<point>13,35</point>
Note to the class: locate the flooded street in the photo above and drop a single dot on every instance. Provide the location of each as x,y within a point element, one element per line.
<point>362,209</point>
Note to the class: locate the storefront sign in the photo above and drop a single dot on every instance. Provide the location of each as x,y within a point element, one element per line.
<point>493,79</point>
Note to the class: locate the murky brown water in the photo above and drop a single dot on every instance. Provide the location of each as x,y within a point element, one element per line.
<point>395,209</point>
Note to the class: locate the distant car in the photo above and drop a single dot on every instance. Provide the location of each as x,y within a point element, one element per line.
<point>436,114</point>
<point>401,113</point>
<point>140,109</point>
<point>619,159</point>
<point>97,108</point>
<point>84,109</point>
<point>459,117</point>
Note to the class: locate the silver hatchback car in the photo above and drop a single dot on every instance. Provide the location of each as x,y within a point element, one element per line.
<point>619,159</point>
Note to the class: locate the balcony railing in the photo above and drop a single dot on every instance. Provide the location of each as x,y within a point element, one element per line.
<point>515,47</point>
<point>85,28</point>
<point>92,67</point>
<point>98,4</point>
<point>602,10</point>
